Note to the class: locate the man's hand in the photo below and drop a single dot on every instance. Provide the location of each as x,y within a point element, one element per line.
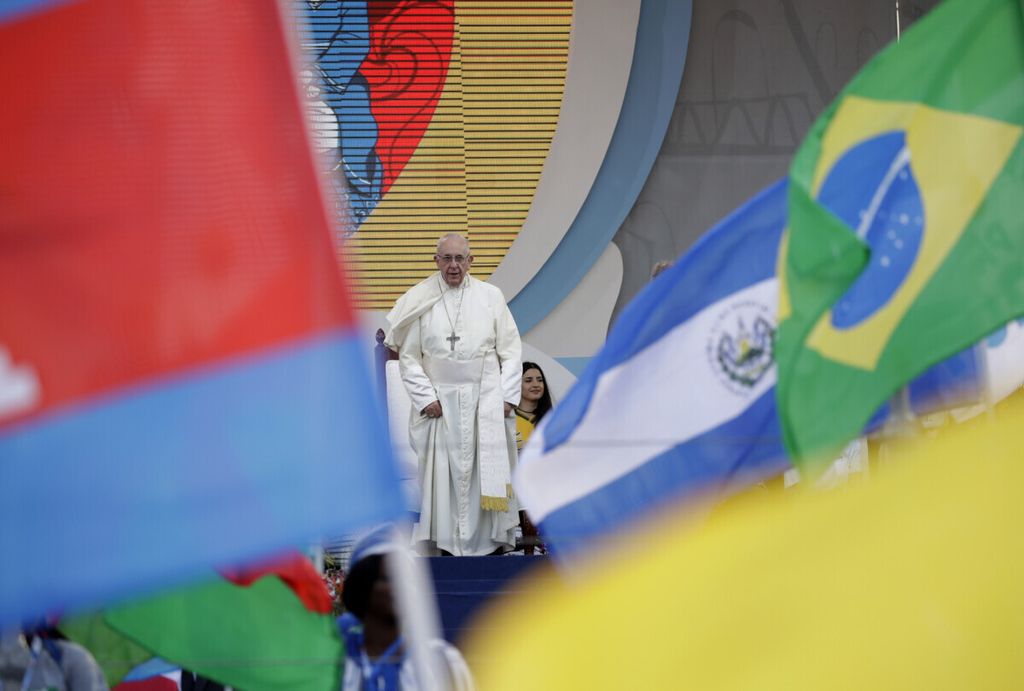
<point>434,409</point>
<point>508,409</point>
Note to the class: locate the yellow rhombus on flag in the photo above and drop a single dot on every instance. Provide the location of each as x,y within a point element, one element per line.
<point>905,240</point>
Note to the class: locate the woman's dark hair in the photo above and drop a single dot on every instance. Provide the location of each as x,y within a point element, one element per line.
<point>544,404</point>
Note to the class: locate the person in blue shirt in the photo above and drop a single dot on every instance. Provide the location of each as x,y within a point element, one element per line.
<point>375,654</point>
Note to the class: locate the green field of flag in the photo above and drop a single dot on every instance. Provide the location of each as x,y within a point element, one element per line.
<point>906,221</point>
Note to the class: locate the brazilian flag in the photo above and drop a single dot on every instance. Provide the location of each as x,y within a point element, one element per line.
<point>905,242</point>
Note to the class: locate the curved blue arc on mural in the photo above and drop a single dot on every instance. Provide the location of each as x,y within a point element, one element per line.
<point>873,190</point>
<point>663,35</point>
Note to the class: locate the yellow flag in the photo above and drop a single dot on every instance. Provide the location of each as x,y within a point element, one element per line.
<point>910,581</point>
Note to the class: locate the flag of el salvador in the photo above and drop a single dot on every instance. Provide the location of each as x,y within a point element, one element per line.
<point>679,401</point>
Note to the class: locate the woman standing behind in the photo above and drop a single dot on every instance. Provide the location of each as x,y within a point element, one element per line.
<point>534,404</point>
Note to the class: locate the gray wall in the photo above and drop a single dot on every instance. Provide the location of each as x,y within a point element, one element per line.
<point>758,72</point>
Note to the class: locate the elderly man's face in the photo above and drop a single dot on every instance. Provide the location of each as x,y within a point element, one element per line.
<point>453,260</point>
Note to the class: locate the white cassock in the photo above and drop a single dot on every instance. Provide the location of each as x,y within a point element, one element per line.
<point>466,457</point>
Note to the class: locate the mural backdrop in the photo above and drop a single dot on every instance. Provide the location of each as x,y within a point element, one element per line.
<point>439,115</point>
<point>578,142</point>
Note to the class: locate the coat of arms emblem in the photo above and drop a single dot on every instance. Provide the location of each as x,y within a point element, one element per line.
<point>741,347</point>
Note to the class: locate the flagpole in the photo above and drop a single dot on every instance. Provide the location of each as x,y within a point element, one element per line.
<point>417,604</point>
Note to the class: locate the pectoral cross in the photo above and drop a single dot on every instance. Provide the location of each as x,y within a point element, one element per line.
<point>451,339</point>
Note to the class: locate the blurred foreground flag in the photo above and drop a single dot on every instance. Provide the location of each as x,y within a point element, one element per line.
<point>906,220</point>
<point>268,627</point>
<point>180,380</point>
<point>909,582</point>
<point>680,400</point>
<point>271,628</point>
<point>120,658</point>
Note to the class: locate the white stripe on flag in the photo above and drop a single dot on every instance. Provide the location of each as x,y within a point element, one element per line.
<point>662,396</point>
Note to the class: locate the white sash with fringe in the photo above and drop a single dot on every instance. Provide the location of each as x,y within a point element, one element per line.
<point>492,443</point>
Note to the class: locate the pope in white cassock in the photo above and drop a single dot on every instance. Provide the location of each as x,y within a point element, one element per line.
<point>461,362</point>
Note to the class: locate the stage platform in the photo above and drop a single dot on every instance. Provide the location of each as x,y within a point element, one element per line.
<point>465,584</point>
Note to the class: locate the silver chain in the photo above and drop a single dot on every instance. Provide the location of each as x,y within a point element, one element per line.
<point>458,311</point>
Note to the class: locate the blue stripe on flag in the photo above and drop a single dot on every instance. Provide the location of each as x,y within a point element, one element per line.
<point>218,465</point>
<point>742,452</point>
<point>951,383</point>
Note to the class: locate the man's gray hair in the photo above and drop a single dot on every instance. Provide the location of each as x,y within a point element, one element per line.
<point>449,236</point>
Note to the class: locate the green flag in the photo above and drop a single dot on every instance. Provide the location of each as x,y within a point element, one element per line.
<point>265,629</point>
<point>906,221</point>
<point>253,638</point>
